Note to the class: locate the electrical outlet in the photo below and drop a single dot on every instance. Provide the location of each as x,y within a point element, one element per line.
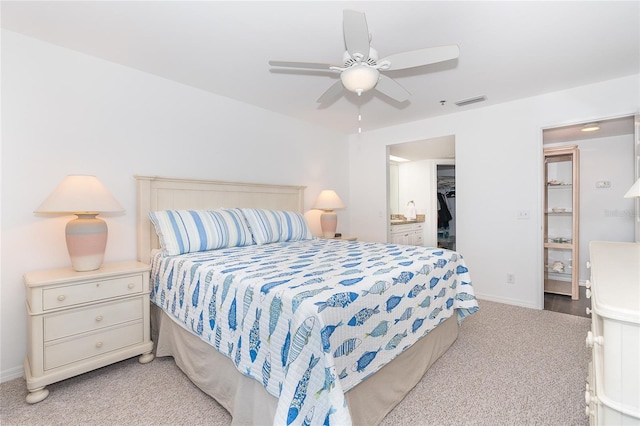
<point>523,214</point>
<point>511,279</point>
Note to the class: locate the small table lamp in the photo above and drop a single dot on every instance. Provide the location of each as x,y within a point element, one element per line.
<point>327,201</point>
<point>86,235</point>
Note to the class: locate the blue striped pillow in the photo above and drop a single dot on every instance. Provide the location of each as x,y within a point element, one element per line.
<point>273,226</point>
<point>187,231</point>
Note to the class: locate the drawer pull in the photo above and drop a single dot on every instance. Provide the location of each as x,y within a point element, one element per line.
<point>99,318</point>
<point>589,398</point>
<point>588,293</point>
<point>130,286</point>
<point>587,284</point>
<point>588,311</point>
<point>61,297</point>
<point>99,345</point>
<point>588,265</point>
<point>591,340</point>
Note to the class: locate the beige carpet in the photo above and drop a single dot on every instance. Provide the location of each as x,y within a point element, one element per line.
<point>509,366</point>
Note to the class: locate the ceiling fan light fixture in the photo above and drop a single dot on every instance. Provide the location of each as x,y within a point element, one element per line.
<point>590,127</point>
<point>359,78</point>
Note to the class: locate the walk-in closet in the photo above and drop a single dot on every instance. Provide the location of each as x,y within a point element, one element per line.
<point>447,206</point>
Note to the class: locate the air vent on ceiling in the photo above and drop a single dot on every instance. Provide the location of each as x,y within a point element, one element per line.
<point>471,100</point>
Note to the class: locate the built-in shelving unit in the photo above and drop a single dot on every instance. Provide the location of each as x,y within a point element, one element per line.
<point>561,220</point>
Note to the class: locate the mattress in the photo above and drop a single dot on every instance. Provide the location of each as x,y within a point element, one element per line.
<point>309,320</point>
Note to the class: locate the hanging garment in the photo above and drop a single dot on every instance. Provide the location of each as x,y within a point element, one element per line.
<point>444,215</point>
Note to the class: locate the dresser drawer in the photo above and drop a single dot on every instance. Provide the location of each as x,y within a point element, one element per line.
<point>399,229</point>
<point>82,320</point>
<point>73,350</point>
<point>63,296</point>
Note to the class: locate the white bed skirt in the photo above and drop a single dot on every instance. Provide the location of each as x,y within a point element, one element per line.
<point>369,402</point>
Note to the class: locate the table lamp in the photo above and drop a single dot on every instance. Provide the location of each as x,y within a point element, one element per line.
<point>327,201</point>
<point>86,235</point>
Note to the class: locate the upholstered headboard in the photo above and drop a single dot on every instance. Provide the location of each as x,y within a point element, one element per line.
<point>162,193</point>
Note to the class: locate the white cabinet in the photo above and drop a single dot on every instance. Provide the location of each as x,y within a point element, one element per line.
<point>613,386</point>
<point>411,234</point>
<point>80,321</point>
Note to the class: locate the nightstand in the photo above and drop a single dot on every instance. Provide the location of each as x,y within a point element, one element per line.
<point>80,321</point>
<point>345,238</point>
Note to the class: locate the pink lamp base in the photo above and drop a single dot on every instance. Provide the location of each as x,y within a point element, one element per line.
<point>86,241</point>
<point>328,223</point>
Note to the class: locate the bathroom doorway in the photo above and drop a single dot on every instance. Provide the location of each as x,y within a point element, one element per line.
<point>413,176</point>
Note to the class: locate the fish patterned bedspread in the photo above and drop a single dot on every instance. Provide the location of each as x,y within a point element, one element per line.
<point>311,319</point>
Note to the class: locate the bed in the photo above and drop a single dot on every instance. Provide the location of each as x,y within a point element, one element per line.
<point>293,329</point>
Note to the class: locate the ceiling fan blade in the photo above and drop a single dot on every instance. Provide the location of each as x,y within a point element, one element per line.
<point>331,93</point>
<point>356,34</point>
<point>307,65</point>
<point>417,58</point>
<point>392,89</point>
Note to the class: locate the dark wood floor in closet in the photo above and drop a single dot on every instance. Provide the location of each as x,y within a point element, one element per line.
<point>564,304</point>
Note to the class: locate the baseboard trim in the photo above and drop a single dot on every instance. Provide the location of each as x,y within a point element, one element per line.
<point>507,301</point>
<point>11,373</point>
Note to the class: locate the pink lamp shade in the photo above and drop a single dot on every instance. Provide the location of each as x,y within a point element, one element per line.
<point>327,201</point>
<point>86,235</point>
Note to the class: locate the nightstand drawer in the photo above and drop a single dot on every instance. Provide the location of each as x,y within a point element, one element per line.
<point>82,320</point>
<point>70,295</point>
<point>94,344</point>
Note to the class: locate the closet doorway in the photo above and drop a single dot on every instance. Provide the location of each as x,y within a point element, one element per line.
<point>446,203</point>
<point>607,169</point>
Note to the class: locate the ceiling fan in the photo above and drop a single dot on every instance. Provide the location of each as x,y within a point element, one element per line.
<point>361,68</point>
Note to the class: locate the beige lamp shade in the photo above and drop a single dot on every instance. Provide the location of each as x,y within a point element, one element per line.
<point>86,235</point>
<point>80,194</point>
<point>634,191</point>
<point>327,201</point>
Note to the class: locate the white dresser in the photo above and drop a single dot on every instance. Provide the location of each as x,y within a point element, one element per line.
<point>80,321</point>
<point>613,386</point>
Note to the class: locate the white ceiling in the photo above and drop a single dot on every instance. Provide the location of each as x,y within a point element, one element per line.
<point>508,50</point>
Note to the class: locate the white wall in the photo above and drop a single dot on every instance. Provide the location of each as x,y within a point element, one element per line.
<point>415,182</point>
<point>67,113</point>
<point>605,215</point>
<point>498,173</point>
